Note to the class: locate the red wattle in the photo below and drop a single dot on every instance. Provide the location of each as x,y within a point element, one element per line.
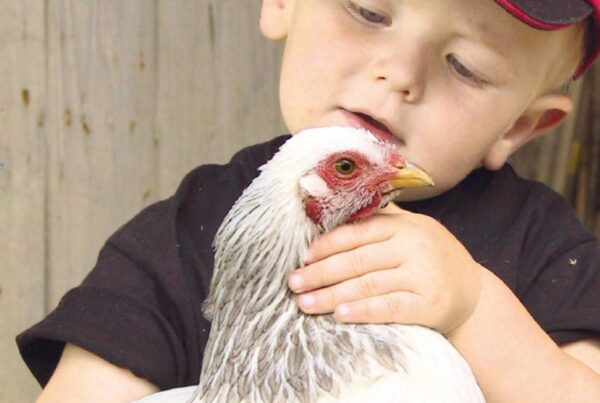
<point>368,210</point>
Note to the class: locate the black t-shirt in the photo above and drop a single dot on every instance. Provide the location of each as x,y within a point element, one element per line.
<point>140,307</point>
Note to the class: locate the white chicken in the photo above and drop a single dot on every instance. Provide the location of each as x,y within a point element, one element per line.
<point>262,348</point>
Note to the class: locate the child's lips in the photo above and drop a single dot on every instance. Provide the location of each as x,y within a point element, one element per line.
<point>375,126</point>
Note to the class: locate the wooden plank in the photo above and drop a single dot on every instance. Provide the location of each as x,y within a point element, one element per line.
<point>22,188</point>
<point>101,106</point>
<point>561,165</point>
<point>585,192</point>
<point>217,84</point>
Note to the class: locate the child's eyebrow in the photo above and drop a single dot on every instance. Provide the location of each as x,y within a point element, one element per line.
<point>486,36</point>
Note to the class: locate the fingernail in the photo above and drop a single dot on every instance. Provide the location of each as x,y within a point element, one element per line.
<point>295,282</point>
<point>306,301</point>
<point>343,311</point>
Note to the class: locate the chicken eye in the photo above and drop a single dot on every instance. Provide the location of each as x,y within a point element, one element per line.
<point>344,166</point>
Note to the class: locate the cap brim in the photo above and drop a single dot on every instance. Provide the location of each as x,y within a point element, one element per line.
<point>556,12</point>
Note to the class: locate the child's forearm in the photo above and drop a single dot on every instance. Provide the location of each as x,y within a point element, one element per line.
<point>82,376</point>
<point>513,359</point>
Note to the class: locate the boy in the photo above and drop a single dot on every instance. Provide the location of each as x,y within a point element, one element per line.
<point>456,85</point>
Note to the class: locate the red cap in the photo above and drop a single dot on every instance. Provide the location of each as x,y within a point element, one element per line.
<point>556,14</point>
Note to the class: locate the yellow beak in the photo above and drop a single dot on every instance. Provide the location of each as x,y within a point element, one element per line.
<point>409,176</point>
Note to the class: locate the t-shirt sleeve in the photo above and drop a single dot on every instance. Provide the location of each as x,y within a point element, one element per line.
<point>121,311</point>
<point>559,280</point>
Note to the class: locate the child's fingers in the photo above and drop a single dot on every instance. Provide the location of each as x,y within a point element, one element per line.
<point>344,266</point>
<point>373,284</point>
<point>347,237</point>
<point>396,307</point>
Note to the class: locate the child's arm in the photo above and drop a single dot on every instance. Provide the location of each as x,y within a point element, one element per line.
<point>514,360</point>
<point>586,351</point>
<point>407,268</point>
<point>84,377</point>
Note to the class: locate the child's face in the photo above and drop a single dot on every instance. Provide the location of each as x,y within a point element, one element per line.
<point>451,79</point>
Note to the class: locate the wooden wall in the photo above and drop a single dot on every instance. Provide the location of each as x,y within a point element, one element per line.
<point>104,106</point>
<point>23,189</point>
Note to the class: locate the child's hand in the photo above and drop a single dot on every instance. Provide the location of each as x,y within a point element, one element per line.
<point>391,268</point>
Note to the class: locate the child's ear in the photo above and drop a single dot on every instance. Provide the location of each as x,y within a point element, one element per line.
<point>544,113</point>
<point>274,18</point>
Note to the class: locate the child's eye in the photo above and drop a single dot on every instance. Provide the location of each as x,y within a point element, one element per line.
<point>367,15</point>
<point>371,16</point>
<point>464,71</point>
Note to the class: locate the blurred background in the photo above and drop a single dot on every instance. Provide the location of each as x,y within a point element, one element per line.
<point>106,104</point>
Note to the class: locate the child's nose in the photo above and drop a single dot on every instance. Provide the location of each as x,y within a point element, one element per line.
<point>403,69</point>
